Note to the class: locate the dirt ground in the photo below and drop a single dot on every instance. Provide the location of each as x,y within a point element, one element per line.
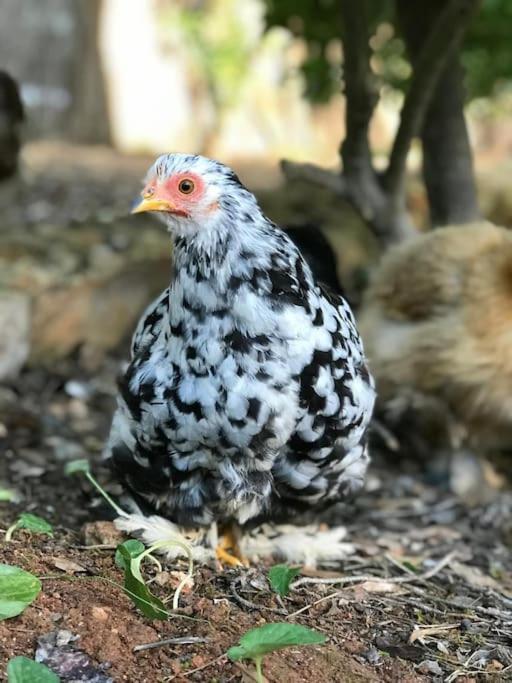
<point>426,594</point>
<point>455,625</point>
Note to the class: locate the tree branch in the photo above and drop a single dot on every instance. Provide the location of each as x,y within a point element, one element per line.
<point>360,89</point>
<point>381,200</point>
<point>444,37</point>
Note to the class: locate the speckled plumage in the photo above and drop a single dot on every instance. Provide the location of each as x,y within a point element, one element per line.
<point>247,396</point>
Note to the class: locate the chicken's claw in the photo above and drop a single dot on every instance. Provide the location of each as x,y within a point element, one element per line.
<point>228,551</point>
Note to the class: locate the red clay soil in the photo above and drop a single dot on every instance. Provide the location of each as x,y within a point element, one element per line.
<point>109,626</point>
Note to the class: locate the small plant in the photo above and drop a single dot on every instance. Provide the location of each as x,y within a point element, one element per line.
<point>82,467</point>
<point>24,670</point>
<point>32,523</point>
<point>18,589</point>
<point>128,558</point>
<point>281,576</point>
<point>258,642</point>
<point>130,554</point>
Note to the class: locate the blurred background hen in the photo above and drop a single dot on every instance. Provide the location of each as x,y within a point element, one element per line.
<point>437,322</point>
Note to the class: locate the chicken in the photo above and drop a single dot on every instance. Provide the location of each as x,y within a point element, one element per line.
<point>318,252</point>
<point>11,118</point>
<point>437,326</point>
<point>247,397</point>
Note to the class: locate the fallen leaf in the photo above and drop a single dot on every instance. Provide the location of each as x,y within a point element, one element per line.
<point>68,566</point>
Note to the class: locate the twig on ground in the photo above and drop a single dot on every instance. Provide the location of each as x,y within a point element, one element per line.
<point>399,565</point>
<point>98,546</point>
<point>170,641</point>
<point>252,605</point>
<point>363,578</point>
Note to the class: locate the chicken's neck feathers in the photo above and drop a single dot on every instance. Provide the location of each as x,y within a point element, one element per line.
<point>239,251</point>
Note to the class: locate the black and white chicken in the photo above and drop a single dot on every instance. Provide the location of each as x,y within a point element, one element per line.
<point>247,398</point>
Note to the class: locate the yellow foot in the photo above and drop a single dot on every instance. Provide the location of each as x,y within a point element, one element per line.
<point>228,551</point>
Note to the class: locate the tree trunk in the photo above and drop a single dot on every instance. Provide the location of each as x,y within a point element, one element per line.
<point>447,158</point>
<point>88,119</point>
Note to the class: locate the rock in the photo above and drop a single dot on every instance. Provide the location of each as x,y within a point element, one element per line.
<point>430,666</point>
<point>57,651</point>
<point>101,533</point>
<point>100,613</point>
<point>15,337</point>
<point>62,290</point>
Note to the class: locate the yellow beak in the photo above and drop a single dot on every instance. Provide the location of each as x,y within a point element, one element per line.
<point>153,204</point>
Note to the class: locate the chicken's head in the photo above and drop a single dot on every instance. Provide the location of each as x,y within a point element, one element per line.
<point>191,193</point>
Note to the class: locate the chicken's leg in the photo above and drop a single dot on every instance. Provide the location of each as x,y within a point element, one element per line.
<point>228,548</point>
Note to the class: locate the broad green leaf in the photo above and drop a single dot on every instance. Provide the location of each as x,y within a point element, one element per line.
<point>133,547</point>
<point>76,466</point>
<point>35,524</point>
<point>18,589</point>
<point>264,639</point>
<point>24,670</point>
<point>280,577</point>
<point>135,587</point>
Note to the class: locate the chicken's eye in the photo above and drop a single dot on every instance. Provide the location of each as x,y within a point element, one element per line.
<point>186,186</point>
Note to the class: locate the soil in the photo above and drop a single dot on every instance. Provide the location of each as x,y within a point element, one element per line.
<point>109,627</point>
<point>400,524</point>
<point>427,593</point>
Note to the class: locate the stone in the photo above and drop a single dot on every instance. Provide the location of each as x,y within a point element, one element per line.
<point>15,336</point>
<point>68,289</point>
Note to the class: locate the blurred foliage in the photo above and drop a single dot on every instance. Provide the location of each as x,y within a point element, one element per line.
<point>219,36</point>
<point>486,53</point>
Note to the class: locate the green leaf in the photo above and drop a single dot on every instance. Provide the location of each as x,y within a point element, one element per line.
<point>18,589</point>
<point>134,585</point>
<point>77,466</point>
<point>35,524</point>
<point>264,639</point>
<point>24,670</point>
<point>280,577</point>
<point>133,547</point>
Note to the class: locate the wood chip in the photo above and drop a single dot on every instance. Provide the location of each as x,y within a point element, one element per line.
<point>421,632</point>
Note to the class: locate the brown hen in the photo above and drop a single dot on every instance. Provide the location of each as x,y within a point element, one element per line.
<point>437,327</point>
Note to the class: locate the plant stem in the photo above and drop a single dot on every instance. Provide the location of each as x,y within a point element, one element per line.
<point>10,531</point>
<point>105,495</point>
<point>169,544</point>
<point>259,672</point>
